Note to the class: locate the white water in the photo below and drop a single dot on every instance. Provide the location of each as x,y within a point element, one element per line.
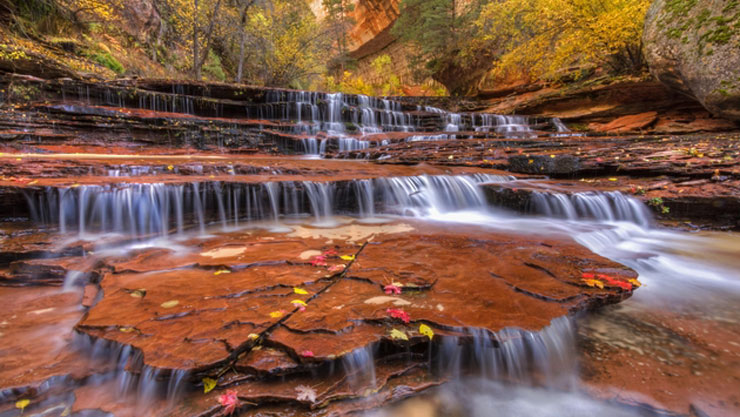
<point>678,269</point>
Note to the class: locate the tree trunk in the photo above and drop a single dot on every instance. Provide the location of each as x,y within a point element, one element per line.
<point>209,37</point>
<point>243,40</point>
<point>196,46</point>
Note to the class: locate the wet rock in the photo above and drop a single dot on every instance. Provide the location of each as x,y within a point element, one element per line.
<point>631,123</point>
<point>692,48</point>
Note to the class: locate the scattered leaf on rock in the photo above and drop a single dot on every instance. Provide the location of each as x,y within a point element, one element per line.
<point>594,283</point>
<point>307,354</point>
<point>229,401</point>
<point>22,404</point>
<point>208,385</point>
<point>277,314</point>
<point>222,271</point>
<point>392,289</point>
<point>426,331</point>
<point>300,291</point>
<point>398,335</point>
<point>140,293</point>
<point>398,314</point>
<point>305,393</point>
<point>170,304</point>
<point>347,258</point>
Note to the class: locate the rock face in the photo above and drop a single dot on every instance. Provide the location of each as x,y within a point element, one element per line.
<point>692,47</point>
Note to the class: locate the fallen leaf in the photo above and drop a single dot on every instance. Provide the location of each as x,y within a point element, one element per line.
<point>398,335</point>
<point>170,167</point>
<point>208,385</point>
<point>305,393</point>
<point>140,293</point>
<point>330,252</point>
<point>222,271</point>
<point>392,289</point>
<point>276,314</point>
<point>229,401</point>
<point>594,283</point>
<point>300,304</point>
<point>300,291</point>
<point>613,179</point>
<point>398,314</point>
<point>253,336</point>
<point>170,304</point>
<point>347,257</point>
<point>307,354</point>
<point>22,404</point>
<point>319,260</point>
<point>635,282</point>
<point>126,329</point>
<point>426,331</point>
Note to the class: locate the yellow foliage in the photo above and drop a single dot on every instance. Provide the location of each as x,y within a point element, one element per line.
<point>543,37</point>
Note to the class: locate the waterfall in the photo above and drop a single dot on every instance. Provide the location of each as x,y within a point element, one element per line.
<point>607,206</point>
<point>146,211</point>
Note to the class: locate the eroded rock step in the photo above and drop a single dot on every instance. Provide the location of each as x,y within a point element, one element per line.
<point>230,309</point>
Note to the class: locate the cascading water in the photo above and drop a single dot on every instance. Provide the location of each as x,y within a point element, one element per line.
<point>608,206</point>
<point>348,120</point>
<point>160,210</point>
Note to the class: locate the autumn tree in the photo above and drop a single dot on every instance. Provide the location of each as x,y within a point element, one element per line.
<point>547,38</point>
<point>444,42</point>
<point>288,45</point>
<point>339,24</point>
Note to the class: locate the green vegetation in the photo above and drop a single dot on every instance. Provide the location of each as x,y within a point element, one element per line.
<point>682,21</point>
<point>447,45</point>
<point>460,46</point>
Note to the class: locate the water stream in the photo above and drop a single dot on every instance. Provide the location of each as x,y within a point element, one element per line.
<point>680,271</point>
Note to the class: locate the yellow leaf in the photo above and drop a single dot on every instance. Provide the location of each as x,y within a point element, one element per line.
<point>126,329</point>
<point>170,304</point>
<point>222,271</point>
<point>170,167</point>
<point>552,156</point>
<point>299,302</point>
<point>253,336</point>
<point>398,335</point>
<point>531,161</point>
<point>635,283</point>
<point>22,404</point>
<point>208,385</point>
<point>426,331</point>
<point>276,314</point>
<point>594,283</point>
<point>300,291</point>
<point>347,257</point>
<point>140,293</point>
<point>33,182</point>
<point>613,179</point>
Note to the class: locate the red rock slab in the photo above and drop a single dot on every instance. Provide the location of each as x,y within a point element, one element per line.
<point>190,319</point>
<point>325,345</point>
<point>683,362</point>
<point>264,360</point>
<point>500,281</point>
<point>319,395</point>
<point>485,280</point>
<point>36,340</point>
<point>230,251</point>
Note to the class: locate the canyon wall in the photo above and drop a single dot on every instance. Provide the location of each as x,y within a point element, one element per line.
<point>370,36</point>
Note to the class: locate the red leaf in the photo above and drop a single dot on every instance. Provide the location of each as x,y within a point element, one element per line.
<point>399,314</point>
<point>319,260</point>
<point>392,289</point>
<point>229,401</point>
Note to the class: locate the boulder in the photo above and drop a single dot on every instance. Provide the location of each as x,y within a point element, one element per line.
<point>692,47</point>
